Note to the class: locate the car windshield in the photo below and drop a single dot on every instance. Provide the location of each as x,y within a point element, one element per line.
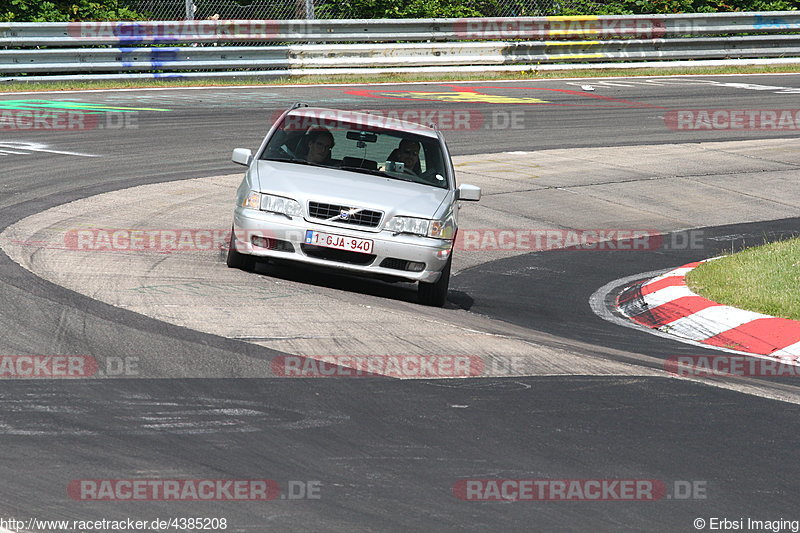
<point>363,148</point>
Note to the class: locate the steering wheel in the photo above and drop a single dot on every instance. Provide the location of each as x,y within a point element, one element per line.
<point>429,176</point>
<point>288,151</point>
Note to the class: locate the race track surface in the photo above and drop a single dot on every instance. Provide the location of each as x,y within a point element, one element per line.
<point>589,399</point>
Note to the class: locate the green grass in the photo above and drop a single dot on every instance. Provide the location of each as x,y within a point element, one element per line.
<point>765,279</point>
<point>397,78</point>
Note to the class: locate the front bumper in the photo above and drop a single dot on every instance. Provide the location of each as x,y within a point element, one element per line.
<point>249,224</point>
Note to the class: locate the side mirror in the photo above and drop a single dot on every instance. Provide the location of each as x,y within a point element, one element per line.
<point>469,192</point>
<point>242,156</point>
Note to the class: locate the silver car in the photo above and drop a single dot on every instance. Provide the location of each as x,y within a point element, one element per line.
<point>350,191</point>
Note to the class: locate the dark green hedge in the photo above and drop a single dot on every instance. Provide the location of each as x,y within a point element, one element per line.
<point>65,10</point>
<point>644,7</point>
<point>77,10</point>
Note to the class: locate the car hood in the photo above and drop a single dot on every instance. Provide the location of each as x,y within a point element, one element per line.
<point>308,183</point>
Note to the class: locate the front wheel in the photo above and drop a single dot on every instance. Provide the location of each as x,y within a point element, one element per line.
<point>236,260</point>
<point>435,294</point>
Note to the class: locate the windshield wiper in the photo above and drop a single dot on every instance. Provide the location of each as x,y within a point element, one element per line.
<point>375,173</point>
<point>297,161</point>
<point>286,160</point>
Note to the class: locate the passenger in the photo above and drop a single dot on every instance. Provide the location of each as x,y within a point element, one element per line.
<point>408,154</point>
<point>320,142</point>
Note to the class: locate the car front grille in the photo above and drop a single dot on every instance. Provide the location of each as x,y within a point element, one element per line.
<point>332,213</point>
<point>340,256</point>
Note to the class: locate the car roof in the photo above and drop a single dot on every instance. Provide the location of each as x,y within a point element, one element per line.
<point>357,117</point>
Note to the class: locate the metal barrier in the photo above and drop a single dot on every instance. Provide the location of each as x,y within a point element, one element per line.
<point>128,49</point>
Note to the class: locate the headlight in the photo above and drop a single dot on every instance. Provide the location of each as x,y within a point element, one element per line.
<point>443,229</point>
<point>252,200</point>
<point>273,204</point>
<point>438,229</point>
<point>417,226</point>
<point>279,204</point>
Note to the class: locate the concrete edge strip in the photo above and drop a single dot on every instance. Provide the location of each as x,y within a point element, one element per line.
<point>360,71</point>
<point>375,84</point>
<point>665,303</point>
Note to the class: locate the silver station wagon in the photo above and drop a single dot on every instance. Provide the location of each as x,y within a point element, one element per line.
<point>355,192</point>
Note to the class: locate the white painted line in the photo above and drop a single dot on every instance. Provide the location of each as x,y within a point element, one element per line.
<point>60,152</point>
<point>672,273</point>
<point>11,146</point>
<point>666,295</point>
<point>793,350</point>
<point>378,84</point>
<point>711,321</point>
<point>597,301</point>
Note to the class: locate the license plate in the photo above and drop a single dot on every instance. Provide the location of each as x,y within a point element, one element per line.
<point>340,242</point>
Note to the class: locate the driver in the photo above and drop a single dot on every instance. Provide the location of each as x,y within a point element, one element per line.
<point>320,142</point>
<point>408,154</point>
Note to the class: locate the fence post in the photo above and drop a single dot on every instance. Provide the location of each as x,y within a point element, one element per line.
<point>189,9</point>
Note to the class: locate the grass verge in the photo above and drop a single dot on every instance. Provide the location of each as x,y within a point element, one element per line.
<point>765,279</point>
<point>397,78</point>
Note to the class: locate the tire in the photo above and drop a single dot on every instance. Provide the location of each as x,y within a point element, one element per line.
<point>435,294</point>
<point>236,260</point>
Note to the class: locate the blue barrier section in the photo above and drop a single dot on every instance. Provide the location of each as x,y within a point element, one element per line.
<point>159,57</point>
<point>778,23</point>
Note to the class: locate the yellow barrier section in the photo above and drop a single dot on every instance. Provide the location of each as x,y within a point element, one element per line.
<point>465,96</point>
<point>574,25</point>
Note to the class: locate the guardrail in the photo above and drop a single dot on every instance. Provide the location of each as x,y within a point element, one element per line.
<point>174,48</point>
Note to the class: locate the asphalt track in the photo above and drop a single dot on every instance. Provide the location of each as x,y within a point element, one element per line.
<point>386,452</point>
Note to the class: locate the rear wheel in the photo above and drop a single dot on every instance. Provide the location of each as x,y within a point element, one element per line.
<point>435,294</point>
<point>236,260</point>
